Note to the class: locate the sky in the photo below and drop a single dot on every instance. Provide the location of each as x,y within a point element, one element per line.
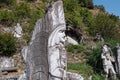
<point>111,6</point>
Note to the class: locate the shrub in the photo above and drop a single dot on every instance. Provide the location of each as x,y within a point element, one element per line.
<point>104,25</point>
<point>7,44</point>
<point>80,48</point>
<point>6,17</point>
<point>86,17</point>
<point>86,3</point>
<point>72,9</point>
<point>35,13</point>
<point>72,48</point>
<point>98,77</point>
<point>112,42</point>
<point>100,7</point>
<point>95,60</point>
<point>22,10</point>
<point>27,38</point>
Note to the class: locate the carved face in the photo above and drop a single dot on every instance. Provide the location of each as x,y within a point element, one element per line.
<point>105,46</point>
<point>62,36</point>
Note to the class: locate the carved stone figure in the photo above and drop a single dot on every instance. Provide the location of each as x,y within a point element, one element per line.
<point>98,37</point>
<point>57,54</point>
<point>117,49</point>
<point>18,31</point>
<point>46,55</point>
<point>107,61</point>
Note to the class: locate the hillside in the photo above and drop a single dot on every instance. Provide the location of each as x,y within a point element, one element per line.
<point>84,18</point>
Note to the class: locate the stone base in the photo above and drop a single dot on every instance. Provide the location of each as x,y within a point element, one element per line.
<point>74,76</point>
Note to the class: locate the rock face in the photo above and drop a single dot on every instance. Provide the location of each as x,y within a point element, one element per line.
<point>47,41</point>
<point>22,76</point>
<point>74,76</point>
<point>6,63</point>
<point>71,41</point>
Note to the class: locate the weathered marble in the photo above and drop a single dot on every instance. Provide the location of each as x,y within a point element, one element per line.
<point>117,50</point>
<point>56,51</point>
<point>45,34</point>
<point>57,58</point>
<point>108,61</point>
<point>6,62</point>
<point>71,41</point>
<point>22,76</point>
<point>24,53</point>
<point>18,31</point>
<point>74,76</point>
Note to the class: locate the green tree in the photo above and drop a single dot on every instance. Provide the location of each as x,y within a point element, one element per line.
<point>114,17</point>
<point>86,17</point>
<point>72,14</point>
<point>104,25</point>
<point>86,3</point>
<point>100,7</point>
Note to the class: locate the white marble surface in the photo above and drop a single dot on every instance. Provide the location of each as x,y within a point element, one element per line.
<point>6,62</point>
<point>74,76</point>
<point>18,31</point>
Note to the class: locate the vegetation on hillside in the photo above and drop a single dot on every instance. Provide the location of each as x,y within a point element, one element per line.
<point>7,44</point>
<point>77,15</point>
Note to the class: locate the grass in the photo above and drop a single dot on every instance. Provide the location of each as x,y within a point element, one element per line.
<point>98,77</point>
<point>72,48</point>
<point>81,68</point>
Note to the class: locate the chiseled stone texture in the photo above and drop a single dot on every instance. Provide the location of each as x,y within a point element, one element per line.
<point>74,76</point>
<point>37,52</point>
<point>6,62</point>
<point>117,56</point>
<point>18,31</point>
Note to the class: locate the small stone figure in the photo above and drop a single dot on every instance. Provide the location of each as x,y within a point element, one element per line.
<point>98,37</point>
<point>107,61</point>
<point>18,31</point>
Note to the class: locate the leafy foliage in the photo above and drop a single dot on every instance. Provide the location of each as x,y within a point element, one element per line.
<point>72,14</point>
<point>100,7</point>
<point>7,44</point>
<point>6,17</point>
<point>86,3</point>
<point>98,77</point>
<point>22,10</point>
<point>114,17</point>
<point>72,48</point>
<point>27,38</point>
<point>86,17</point>
<point>104,25</point>
<point>95,60</point>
